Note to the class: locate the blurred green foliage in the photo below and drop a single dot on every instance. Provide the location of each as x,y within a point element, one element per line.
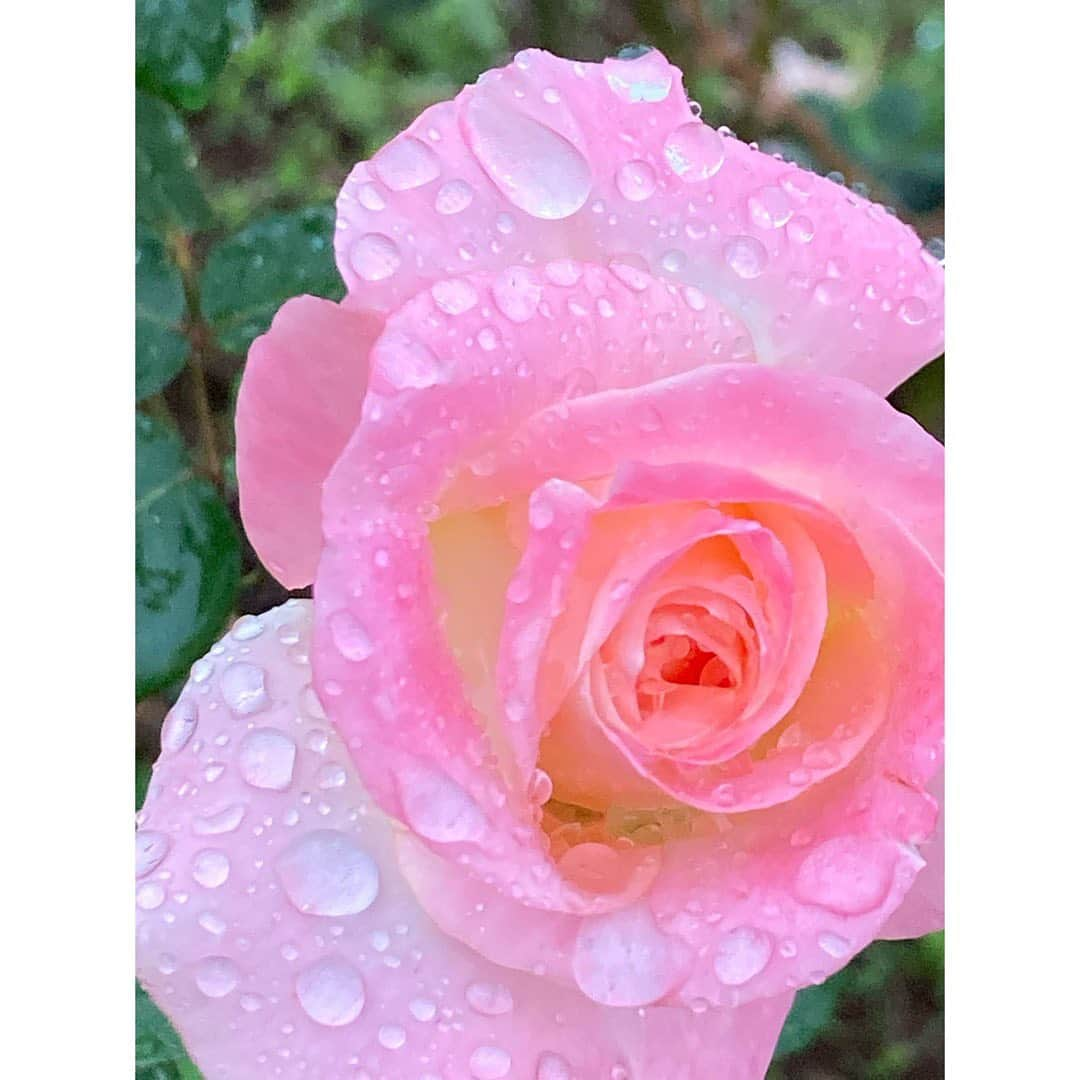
<point>248,117</point>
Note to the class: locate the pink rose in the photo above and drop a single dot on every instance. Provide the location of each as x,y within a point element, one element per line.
<point>617,713</point>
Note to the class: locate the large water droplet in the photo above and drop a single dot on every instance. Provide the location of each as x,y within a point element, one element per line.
<point>636,180</point>
<point>409,364</point>
<point>247,628</point>
<point>179,726</point>
<point>150,848</point>
<point>536,168</point>
<point>219,821</point>
<point>694,151</point>
<point>846,875</point>
<point>266,757</point>
<point>769,208</point>
<point>210,868</point>
<point>391,1037</point>
<point>741,954</point>
<point>646,78</point>
<point>350,637</point>
<point>489,1063</point>
<point>517,293</point>
<point>454,196</point>
<point>833,944</point>
<point>375,257</point>
<point>331,992</point>
<point>488,998</point>
<point>217,976</point>
<point>553,1067</point>
<point>454,296</point>
<point>405,163</point>
<point>439,808</point>
<point>327,873</point>
<point>623,958</point>
<point>746,256</point>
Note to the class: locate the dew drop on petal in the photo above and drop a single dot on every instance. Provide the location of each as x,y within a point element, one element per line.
<point>210,868</point>
<point>391,1037</point>
<point>243,686</point>
<point>912,310</point>
<point>746,256</point>
<point>331,992</point>
<point>846,875</point>
<point>565,272</point>
<point>409,364</point>
<point>488,998</point>
<point>219,821</point>
<point>489,1063</point>
<point>769,208</point>
<point>438,808</point>
<point>454,196</point>
<point>553,1067</point>
<point>646,78</point>
<point>350,638</point>
<point>266,758</point>
<point>179,726</point>
<point>694,151</point>
<point>455,296</point>
<point>741,954</point>
<point>535,167</point>
<point>327,873</point>
<point>405,163</point>
<point>517,293</point>
<point>247,628</point>
<point>836,946</point>
<point>216,976</point>
<point>636,180</point>
<point>150,848</point>
<point>375,257</point>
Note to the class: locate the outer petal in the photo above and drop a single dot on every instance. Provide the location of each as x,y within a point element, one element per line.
<point>923,909</point>
<point>276,931</point>
<point>547,158</point>
<point>297,406</point>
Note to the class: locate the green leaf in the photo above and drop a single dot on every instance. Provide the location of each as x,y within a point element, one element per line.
<point>167,191</point>
<point>250,275</point>
<point>143,770</point>
<point>159,1053</point>
<point>187,559</point>
<point>810,1014</point>
<point>160,348</point>
<point>182,45</point>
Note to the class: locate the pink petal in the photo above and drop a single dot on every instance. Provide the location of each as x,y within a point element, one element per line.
<point>297,406</point>
<point>276,931</point>
<point>547,158</point>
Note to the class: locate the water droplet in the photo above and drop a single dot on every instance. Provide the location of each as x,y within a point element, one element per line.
<point>800,229</point>
<point>327,873</point>
<point>694,151</point>
<point>331,776</point>
<point>409,364</point>
<point>535,167</point>
<point>540,787</point>
<point>487,339</point>
<point>633,277</point>
<point>623,959</point>
<point>266,757</point>
<point>820,755</point>
<point>370,198</point>
<point>391,1037</point>
<point>349,636</point>
<point>453,197</point>
<point>455,296</point>
<point>912,310</point>
<point>846,875</point>
<point>489,1063</point>
<point>179,726</point>
<point>439,808</point>
<point>746,256</point>
<point>769,208</point>
<point>644,78</point>
<point>217,976</point>
<point>489,999</point>
<point>218,822</point>
<point>517,293</point>
<point>150,848</point>
<point>212,923</point>
<point>375,257</point>
<point>694,298</point>
<point>565,272</point>
<point>405,163</point>
<point>741,954</point>
<point>331,992</point>
<point>422,1009</point>
<point>251,1003</point>
<point>553,1067</point>
<point>836,946</point>
<point>149,895</point>
<point>210,868</point>
<point>673,261</point>
<point>551,96</point>
<point>243,686</point>
<point>636,180</point>
<point>247,628</point>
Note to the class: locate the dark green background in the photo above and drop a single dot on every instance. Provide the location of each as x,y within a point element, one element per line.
<point>248,117</point>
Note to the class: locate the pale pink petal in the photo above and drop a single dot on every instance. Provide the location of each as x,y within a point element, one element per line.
<point>923,909</point>
<point>298,403</point>
<point>277,932</point>
<point>548,158</point>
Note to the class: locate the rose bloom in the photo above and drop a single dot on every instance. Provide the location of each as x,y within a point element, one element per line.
<point>617,714</point>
